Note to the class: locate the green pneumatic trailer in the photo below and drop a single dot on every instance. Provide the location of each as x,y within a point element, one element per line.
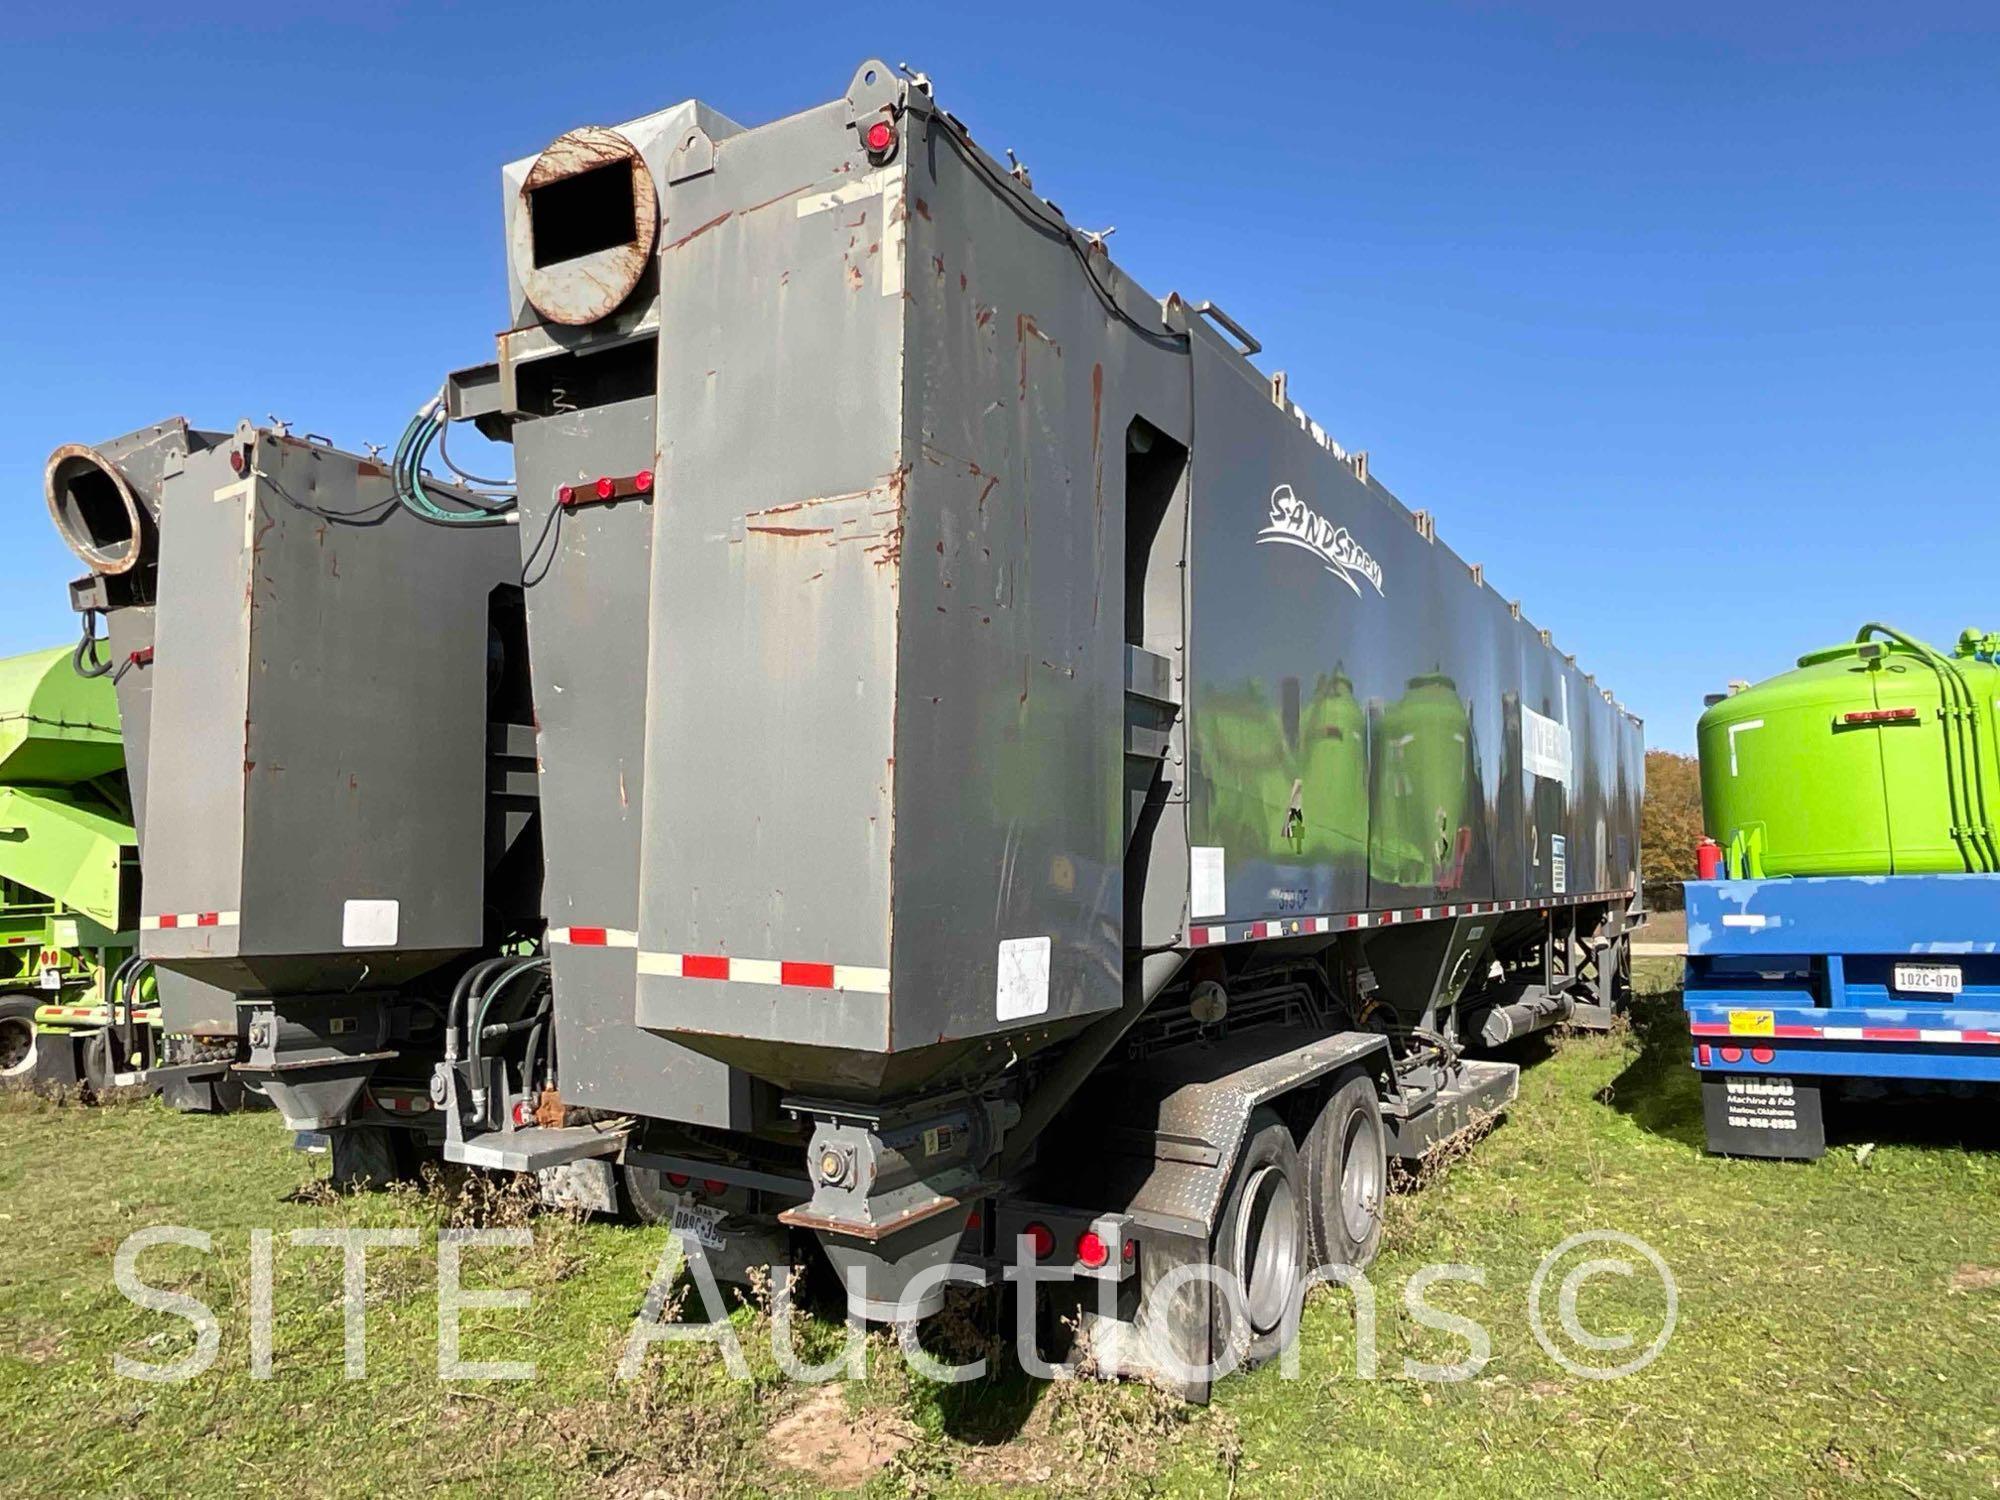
<point>69,879</point>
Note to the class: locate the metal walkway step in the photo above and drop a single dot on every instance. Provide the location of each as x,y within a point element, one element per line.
<point>533,1149</point>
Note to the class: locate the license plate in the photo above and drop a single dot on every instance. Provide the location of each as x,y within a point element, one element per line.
<point>1930,979</point>
<point>700,1222</point>
<point>52,979</point>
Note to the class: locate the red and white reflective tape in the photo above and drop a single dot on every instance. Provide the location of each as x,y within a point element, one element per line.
<point>812,976</point>
<point>168,921</point>
<point>401,1103</point>
<point>594,937</point>
<point>1852,1034</point>
<point>1204,936</point>
<point>88,1013</point>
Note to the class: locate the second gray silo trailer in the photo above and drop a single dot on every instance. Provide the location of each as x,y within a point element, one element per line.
<point>1008,772</point>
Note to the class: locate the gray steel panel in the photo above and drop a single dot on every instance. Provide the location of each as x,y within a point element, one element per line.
<point>587,611</point>
<point>776,557</point>
<point>319,722</point>
<point>1376,661</point>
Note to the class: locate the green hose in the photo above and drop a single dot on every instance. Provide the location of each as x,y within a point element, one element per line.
<point>1971,830</point>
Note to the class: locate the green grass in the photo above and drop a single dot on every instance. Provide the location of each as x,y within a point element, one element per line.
<point>1839,1332</point>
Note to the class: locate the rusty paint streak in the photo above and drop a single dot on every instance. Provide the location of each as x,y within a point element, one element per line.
<point>923,210</point>
<point>791,530</point>
<point>695,234</point>
<point>987,489</point>
<point>788,193</point>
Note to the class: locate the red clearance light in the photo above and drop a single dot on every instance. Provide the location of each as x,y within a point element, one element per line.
<point>678,1179</point>
<point>566,495</point>
<point>880,136</point>
<point>236,459</point>
<point>1091,1251</point>
<point>713,1185</point>
<point>1042,1239</point>
<point>606,487</point>
<point>1878,716</point>
<point>643,481</point>
<point>1732,1054</point>
<point>1762,1054</point>
<point>522,1114</point>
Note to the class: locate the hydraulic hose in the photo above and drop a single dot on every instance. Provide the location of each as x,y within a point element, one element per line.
<point>1971,830</point>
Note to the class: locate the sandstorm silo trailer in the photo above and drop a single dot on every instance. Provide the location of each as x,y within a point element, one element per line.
<point>1074,799</point>
<point>336,752</point>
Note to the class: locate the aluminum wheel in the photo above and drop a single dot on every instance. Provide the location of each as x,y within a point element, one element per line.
<point>17,1046</point>
<point>1360,1179</point>
<point>1268,1247</point>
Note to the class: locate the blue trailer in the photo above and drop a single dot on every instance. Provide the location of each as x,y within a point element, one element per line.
<point>1799,988</point>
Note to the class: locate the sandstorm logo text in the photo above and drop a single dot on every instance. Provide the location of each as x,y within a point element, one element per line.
<point>1299,525</point>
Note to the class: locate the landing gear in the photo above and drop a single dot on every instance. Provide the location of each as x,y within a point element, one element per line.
<point>1346,1170</point>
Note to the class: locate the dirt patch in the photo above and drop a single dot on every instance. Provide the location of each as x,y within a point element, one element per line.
<point>1971,1278</point>
<point>841,1449</point>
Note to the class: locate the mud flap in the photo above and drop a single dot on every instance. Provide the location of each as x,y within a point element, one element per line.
<point>1757,1114</point>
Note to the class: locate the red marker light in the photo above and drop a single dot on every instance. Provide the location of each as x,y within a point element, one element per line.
<point>643,481</point>
<point>236,459</point>
<point>566,495</point>
<point>522,1114</point>
<point>1041,1239</point>
<point>1091,1250</point>
<point>713,1185</point>
<point>1732,1054</point>
<point>881,135</point>
<point>606,487</point>
<point>1762,1054</point>
<point>678,1179</point>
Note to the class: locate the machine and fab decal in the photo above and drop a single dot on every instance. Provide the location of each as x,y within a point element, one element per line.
<point>1297,524</point>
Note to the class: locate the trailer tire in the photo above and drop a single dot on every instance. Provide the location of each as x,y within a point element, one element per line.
<point>647,1197</point>
<point>1260,1240</point>
<point>17,1035</point>
<point>1346,1165</point>
<point>100,1064</point>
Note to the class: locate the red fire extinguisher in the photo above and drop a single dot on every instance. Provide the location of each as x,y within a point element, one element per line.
<point>1708,860</point>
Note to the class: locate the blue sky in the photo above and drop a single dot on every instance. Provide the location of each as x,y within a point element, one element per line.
<point>1683,319</point>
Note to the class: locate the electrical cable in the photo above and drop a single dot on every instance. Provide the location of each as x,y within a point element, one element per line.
<point>466,474</point>
<point>1055,230</point>
<point>552,525</point>
<point>85,658</point>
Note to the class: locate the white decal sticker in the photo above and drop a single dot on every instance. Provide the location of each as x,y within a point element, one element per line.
<point>1545,747</point>
<point>1297,524</point>
<point>1559,863</point>
<point>370,924</point>
<point>1024,979</point>
<point>1206,888</point>
<point>1736,729</point>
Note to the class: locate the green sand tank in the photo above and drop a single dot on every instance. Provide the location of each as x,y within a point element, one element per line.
<point>1875,757</point>
<point>68,865</point>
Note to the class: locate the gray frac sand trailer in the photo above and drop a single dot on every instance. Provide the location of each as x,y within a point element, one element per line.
<point>1004,747</point>
<point>336,750</point>
<point>1004,774</point>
